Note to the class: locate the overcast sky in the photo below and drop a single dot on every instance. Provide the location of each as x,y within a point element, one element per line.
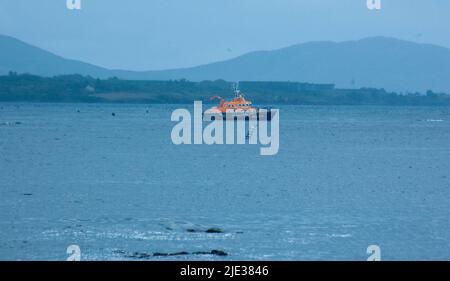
<point>160,34</point>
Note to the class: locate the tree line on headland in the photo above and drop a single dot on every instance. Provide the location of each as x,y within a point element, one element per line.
<point>78,88</point>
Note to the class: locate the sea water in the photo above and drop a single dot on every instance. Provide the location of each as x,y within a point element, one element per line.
<point>345,177</point>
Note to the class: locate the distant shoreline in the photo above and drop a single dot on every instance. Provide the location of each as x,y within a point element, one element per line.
<point>85,89</point>
<point>18,102</point>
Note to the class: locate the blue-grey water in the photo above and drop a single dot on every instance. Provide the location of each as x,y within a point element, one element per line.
<point>344,178</point>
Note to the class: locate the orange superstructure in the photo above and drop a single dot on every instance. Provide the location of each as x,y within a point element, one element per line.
<point>239,102</point>
<point>238,106</point>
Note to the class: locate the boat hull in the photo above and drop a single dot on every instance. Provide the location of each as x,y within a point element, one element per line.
<point>258,115</point>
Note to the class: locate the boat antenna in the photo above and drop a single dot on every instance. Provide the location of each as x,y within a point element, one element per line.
<point>236,89</point>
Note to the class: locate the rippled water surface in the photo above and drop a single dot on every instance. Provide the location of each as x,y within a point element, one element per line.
<point>344,178</point>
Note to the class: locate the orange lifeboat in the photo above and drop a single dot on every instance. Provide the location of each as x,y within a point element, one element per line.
<point>238,107</point>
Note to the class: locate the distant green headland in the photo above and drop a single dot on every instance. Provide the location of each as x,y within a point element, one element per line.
<point>78,88</point>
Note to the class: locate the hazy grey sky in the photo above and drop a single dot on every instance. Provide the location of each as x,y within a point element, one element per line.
<point>157,34</point>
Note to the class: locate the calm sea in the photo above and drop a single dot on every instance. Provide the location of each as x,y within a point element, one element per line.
<point>344,178</point>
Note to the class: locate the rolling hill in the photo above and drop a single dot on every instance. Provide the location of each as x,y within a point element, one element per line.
<point>378,62</point>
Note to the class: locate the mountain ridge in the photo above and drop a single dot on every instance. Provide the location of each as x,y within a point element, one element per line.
<point>379,62</point>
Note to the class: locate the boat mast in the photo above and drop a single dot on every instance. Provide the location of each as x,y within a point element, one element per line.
<point>236,89</point>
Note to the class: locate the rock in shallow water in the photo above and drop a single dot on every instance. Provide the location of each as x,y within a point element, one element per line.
<point>209,230</point>
<point>213,252</point>
<point>142,255</point>
<point>137,255</point>
<point>214,230</point>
